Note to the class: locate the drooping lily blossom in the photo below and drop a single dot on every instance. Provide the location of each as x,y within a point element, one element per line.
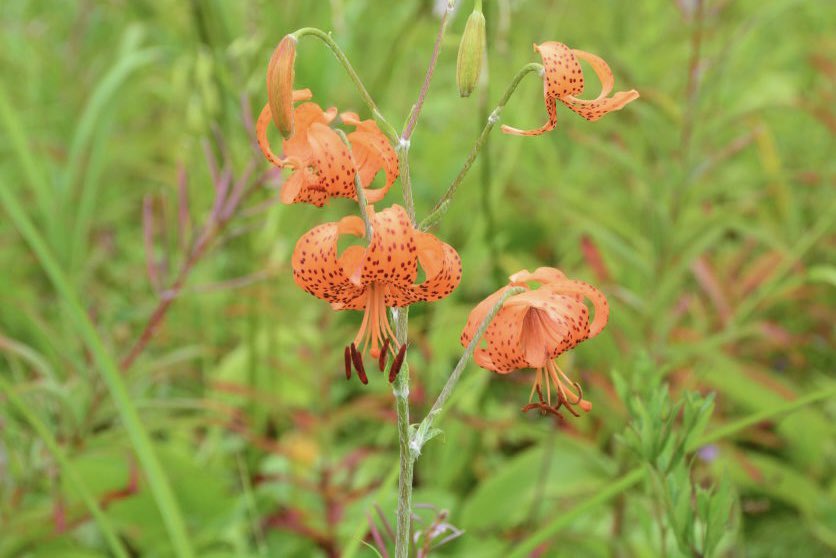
<point>534,327</point>
<point>563,79</point>
<point>375,277</point>
<point>323,165</point>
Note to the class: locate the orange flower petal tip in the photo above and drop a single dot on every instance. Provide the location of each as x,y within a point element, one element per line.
<point>280,75</point>
<point>563,79</point>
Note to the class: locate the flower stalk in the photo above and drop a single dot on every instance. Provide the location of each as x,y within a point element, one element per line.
<point>361,194</point>
<point>424,431</point>
<point>352,73</point>
<point>443,203</point>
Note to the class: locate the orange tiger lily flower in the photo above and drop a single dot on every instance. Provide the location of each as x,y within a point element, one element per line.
<point>323,165</point>
<point>375,277</point>
<point>534,327</point>
<point>563,79</point>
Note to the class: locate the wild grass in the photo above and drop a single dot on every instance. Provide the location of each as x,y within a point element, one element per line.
<point>705,212</point>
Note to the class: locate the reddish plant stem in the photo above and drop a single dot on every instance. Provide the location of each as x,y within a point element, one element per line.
<point>416,111</point>
<point>168,297</point>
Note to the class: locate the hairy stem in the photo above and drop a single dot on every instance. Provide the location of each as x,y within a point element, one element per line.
<point>408,451</point>
<point>443,202</point>
<point>406,180</point>
<point>387,128</point>
<point>424,431</point>
<point>407,459</point>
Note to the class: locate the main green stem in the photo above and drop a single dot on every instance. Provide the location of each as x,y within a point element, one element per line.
<point>407,459</point>
<point>407,453</point>
<point>410,447</point>
<point>444,201</point>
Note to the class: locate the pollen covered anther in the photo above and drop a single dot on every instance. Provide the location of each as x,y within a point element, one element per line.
<point>347,363</point>
<point>397,363</point>
<point>358,364</point>
<point>381,360</point>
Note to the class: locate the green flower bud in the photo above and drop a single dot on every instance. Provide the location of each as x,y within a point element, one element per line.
<point>471,51</point>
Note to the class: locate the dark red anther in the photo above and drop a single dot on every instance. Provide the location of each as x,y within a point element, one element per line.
<point>397,363</point>
<point>358,364</point>
<point>381,361</point>
<point>543,409</point>
<point>347,363</point>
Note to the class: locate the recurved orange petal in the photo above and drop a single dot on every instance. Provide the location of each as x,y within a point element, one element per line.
<point>573,287</point>
<point>540,275</point>
<point>390,257</point>
<point>266,116</point>
<point>503,346</point>
<point>593,109</point>
<point>499,350</point>
<point>331,161</point>
<point>261,126</point>
<point>305,116</point>
<point>442,269</point>
<point>478,314</point>
<point>562,76</point>
<point>302,186</point>
<point>318,270</point>
<point>372,152</point>
<point>554,323</point>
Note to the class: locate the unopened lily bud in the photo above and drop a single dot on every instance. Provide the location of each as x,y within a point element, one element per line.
<point>280,85</point>
<point>471,50</point>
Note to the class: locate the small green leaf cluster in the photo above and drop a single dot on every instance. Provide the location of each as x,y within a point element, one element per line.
<point>662,434</point>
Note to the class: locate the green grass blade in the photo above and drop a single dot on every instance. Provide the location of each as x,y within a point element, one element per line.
<point>90,120</point>
<point>157,479</point>
<point>630,479</point>
<point>16,134</point>
<point>564,519</point>
<point>67,468</point>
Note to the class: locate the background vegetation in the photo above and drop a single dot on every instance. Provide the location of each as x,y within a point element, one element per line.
<point>705,211</point>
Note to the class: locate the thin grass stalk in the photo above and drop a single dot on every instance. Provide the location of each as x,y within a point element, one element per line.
<point>157,479</point>
<point>67,469</point>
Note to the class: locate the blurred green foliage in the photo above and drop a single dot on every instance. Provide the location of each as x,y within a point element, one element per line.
<point>704,210</point>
